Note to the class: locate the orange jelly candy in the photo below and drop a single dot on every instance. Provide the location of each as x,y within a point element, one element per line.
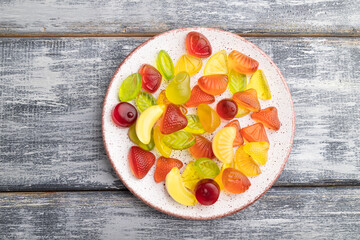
<point>248,99</point>
<point>198,96</point>
<point>238,139</point>
<point>234,181</point>
<point>163,167</point>
<point>213,84</point>
<point>268,117</point>
<point>208,117</point>
<point>255,133</point>
<point>242,63</point>
<point>202,148</point>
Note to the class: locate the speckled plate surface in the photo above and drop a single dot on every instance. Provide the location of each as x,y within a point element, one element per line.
<point>117,143</point>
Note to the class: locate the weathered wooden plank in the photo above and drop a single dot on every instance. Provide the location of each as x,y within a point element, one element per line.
<point>283,213</point>
<point>51,93</point>
<point>320,17</point>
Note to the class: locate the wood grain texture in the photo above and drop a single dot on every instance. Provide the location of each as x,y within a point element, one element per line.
<point>282,17</point>
<point>51,100</point>
<point>309,213</point>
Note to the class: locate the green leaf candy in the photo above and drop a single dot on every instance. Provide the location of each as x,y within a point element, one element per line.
<point>130,87</point>
<point>190,176</point>
<point>165,65</point>
<point>179,140</point>
<point>134,138</point>
<point>145,100</point>
<point>206,168</point>
<point>194,125</point>
<point>237,82</point>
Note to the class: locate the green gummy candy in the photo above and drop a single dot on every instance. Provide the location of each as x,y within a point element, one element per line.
<point>130,87</point>
<point>134,138</point>
<point>237,82</point>
<point>206,167</point>
<point>194,125</point>
<point>145,100</point>
<point>178,91</point>
<point>179,140</point>
<point>165,65</point>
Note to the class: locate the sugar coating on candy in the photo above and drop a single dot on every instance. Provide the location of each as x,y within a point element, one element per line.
<point>172,120</point>
<point>269,117</point>
<point>130,87</point>
<point>164,166</point>
<point>165,65</point>
<point>217,64</point>
<point>189,64</point>
<point>198,45</point>
<point>242,63</point>
<point>259,82</point>
<point>151,78</point>
<point>209,119</point>
<point>213,84</point>
<point>248,99</point>
<point>198,96</point>
<point>178,91</point>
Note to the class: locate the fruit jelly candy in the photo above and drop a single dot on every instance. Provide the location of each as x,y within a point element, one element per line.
<point>178,91</point>
<point>194,125</point>
<point>227,109</point>
<point>163,100</point>
<point>189,64</point>
<point>242,63</point>
<point>160,145</point>
<point>172,120</point>
<point>247,99</point>
<point>190,176</point>
<point>259,82</point>
<point>238,139</point>
<point>202,148</point>
<point>146,121</point>
<point>198,45</point>
<point>179,140</point>
<point>254,133</point>
<point>209,119</point>
<point>133,137</point>
<point>198,96</point>
<point>234,181</point>
<point>140,161</point>
<point>258,151</point>
<point>145,100</point>
<point>268,117</point>
<point>223,144</point>
<point>245,164</point>
<point>165,65</point>
<point>130,87</point>
<point>237,82</point>
<point>217,64</point>
<point>164,166</point>
<point>213,84</point>
<point>151,78</point>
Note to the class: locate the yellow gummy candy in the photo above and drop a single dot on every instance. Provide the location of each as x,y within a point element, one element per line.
<point>260,84</point>
<point>189,64</point>
<point>208,117</point>
<point>245,164</point>
<point>217,64</point>
<point>178,91</point>
<point>258,151</point>
<point>160,146</point>
<point>190,176</point>
<point>242,112</point>
<point>223,144</point>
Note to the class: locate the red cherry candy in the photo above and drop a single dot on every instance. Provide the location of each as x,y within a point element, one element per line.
<point>207,191</point>
<point>151,78</point>
<point>124,114</point>
<point>227,109</point>
<point>198,45</point>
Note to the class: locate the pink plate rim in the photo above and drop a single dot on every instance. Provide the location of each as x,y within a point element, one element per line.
<point>195,29</point>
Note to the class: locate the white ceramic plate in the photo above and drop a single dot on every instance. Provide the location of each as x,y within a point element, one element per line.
<point>117,143</point>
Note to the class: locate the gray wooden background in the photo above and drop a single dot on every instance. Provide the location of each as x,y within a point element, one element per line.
<point>56,60</point>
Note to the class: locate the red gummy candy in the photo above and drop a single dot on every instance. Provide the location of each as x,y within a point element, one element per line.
<point>172,120</point>
<point>213,84</point>
<point>164,166</point>
<point>151,78</point>
<point>198,45</point>
<point>140,161</point>
<point>202,148</point>
<point>255,133</point>
<point>268,117</point>
<point>198,96</point>
<point>227,109</point>
<point>238,139</point>
<point>247,99</point>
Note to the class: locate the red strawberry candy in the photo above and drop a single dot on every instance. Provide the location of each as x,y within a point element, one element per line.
<point>268,117</point>
<point>247,99</point>
<point>255,133</point>
<point>151,78</point>
<point>140,161</point>
<point>172,120</point>
<point>198,96</point>
<point>163,167</point>
<point>202,148</point>
<point>198,45</point>
<point>238,139</point>
<point>213,84</point>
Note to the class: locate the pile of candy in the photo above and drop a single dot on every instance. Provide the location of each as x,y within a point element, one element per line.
<point>163,123</point>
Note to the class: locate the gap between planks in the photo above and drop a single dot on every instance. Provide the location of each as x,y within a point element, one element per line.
<point>151,34</point>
